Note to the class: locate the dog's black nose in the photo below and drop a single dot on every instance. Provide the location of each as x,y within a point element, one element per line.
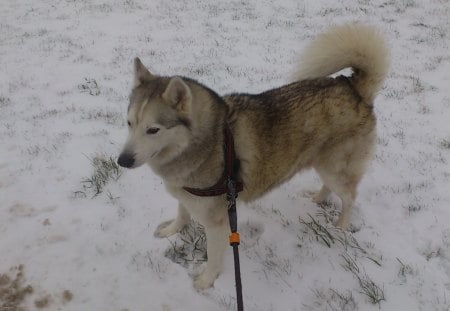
<point>126,160</point>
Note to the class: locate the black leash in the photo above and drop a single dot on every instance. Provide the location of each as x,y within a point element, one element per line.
<point>234,241</point>
<point>229,185</point>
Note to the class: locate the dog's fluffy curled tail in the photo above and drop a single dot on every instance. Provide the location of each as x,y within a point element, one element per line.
<point>358,46</point>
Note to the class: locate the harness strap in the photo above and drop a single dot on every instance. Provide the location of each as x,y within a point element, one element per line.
<point>230,171</point>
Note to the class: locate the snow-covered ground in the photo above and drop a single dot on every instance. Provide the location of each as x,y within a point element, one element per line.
<point>65,74</point>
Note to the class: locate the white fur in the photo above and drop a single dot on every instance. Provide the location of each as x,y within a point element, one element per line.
<point>350,45</point>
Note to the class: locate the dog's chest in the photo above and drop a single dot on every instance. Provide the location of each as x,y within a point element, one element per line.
<point>200,208</point>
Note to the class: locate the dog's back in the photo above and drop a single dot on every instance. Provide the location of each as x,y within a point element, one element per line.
<point>284,130</point>
<point>321,122</point>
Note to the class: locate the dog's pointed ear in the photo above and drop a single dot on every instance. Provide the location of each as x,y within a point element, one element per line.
<point>178,94</point>
<point>141,73</point>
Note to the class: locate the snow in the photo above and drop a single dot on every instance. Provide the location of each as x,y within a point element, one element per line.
<point>66,71</point>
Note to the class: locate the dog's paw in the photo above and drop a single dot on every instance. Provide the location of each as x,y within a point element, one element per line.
<point>308,194</point>
<point>315,196</point>
<point>168,228</point>
<point>354,227</point>
<point>203,281</point>
<point>350,227</point>
<point>342,224</point>
<point>357,221</point>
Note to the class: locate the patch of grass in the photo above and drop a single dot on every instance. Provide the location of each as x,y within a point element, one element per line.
<point>4,101</point>
<point>320,232</point>
<point>331,11</point>
<point>329,212</point>
<point>105,170</point>
<point>110,117</point>
<point>111,198</point>
<point>404,270</point>
<point>395,93</point>
<point>332,299</point>
<point>281,267</point>
<point>424,109</point>
<point>433,253</point>
<point>350,264</point>
<point>329,235</point>
<point>227,302</point>
<point>418,86</point>
<point>189,246</point>
<point>413,207</point>
<point>131,5</point>
<point>407,187</point>
<point>368,287</point>
<point>439,32</point>
<point>273,266</point>
<point>445,143</point>
<point>283,220</point>
<point>382,141</point>
<point>420,24</point>
<point>400,135</point>
<point>402,6</point>
<point>89,86</point>
<point>434,62</point>
<point>149,260</point>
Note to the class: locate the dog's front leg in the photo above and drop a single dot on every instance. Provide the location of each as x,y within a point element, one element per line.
<point>216,239</point>
<point>173,226</point>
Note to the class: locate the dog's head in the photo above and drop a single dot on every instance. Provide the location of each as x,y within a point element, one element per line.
<point>167,115</point>
<point>158,118</point>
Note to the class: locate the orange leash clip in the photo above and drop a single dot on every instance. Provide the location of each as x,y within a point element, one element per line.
<point>234,238</point>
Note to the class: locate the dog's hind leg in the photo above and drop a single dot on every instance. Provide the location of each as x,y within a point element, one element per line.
<point>347,193</point>
<point>319,197</point>
<point>341,175</point>
<point>173,226</point>
<point>344,186</point>
<point>341,169</point>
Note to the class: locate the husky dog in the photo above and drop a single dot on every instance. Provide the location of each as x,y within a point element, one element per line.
<point>176,126</point>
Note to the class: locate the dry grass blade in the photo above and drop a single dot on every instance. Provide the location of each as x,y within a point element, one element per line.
<point>321,233</point>
<point>105,170</point>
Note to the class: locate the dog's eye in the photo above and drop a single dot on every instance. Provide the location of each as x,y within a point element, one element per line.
<point>152,130</point>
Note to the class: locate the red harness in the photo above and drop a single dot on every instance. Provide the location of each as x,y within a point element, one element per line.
<point>229,173</point>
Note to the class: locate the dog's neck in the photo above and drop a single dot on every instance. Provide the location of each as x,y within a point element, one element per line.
<point>200,165</point>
